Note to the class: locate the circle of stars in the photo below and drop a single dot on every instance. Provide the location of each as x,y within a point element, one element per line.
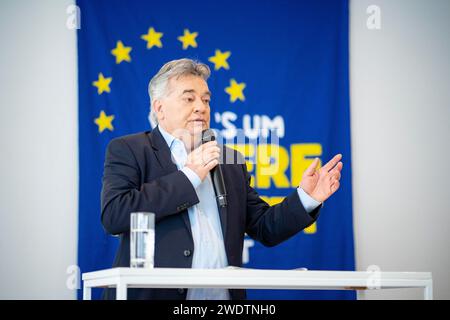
<point>153,38</point>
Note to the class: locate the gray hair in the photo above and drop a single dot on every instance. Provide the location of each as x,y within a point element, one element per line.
<point>157,87</point>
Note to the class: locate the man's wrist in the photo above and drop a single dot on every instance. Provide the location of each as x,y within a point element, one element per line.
<point>192,176</point>
<point>308,202</point>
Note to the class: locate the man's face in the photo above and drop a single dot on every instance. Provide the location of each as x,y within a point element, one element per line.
<point>185,106</point>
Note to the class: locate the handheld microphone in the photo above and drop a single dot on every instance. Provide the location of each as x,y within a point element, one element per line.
<point>216,173</point>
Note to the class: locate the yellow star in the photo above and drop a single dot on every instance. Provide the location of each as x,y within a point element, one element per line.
<point>153,38</point>
<point>121,52</point>
<point>220,60</point>
<point>235,90</point>
<point>104,122</point>
<point>102,84</point>
<point>188,39</point>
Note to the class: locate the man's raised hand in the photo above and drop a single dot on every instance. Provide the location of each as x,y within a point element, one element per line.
<point>321,184</point>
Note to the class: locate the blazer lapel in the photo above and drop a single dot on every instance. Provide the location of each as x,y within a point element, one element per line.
<point>164,156</point>
<point>223,212</point>
<point>223,221</point>
<point>162,151</point>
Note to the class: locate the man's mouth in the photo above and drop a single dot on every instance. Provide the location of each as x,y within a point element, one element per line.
<point>198,122</point>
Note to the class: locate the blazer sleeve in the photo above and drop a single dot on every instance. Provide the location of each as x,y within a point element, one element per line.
<point>272,225</point>
<point>124,193</point>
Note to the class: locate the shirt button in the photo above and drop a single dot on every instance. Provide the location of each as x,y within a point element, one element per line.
<point>187,253</point>
<point>180,291</point>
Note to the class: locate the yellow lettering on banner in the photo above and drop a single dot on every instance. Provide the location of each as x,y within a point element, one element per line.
<point>276,200</point>
<point>311,229</point>
<point>300,162</point>
<point>272,200</point>
<point>248,151</point>
<point>272,162</point>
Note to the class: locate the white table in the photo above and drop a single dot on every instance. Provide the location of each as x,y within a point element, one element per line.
<point>239,278</point>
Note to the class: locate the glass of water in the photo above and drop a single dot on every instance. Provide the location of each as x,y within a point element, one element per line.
<point>142,239</point>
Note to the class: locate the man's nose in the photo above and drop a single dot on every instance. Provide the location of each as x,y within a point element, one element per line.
<point>199,106</point>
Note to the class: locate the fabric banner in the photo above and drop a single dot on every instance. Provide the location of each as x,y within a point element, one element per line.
<point>278,68</point>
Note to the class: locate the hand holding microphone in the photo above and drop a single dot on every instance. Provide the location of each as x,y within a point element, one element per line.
<point>202,159</point>
<point>205,159</point>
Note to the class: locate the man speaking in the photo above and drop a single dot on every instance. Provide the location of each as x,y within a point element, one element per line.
<point>166,171</point>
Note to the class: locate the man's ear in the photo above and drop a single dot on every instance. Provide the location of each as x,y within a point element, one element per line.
<point>158,108</point>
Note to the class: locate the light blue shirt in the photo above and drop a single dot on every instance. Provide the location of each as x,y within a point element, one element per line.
<point>209,248</point>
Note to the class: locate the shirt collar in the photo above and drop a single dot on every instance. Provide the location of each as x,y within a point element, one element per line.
<point>167,137</point>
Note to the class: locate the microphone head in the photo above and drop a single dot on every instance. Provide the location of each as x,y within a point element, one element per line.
<point>208,135</point>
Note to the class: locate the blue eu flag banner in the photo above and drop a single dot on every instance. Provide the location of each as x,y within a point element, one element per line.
<point>278,65</point>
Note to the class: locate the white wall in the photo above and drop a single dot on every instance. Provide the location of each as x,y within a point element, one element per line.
<point>39,150</point>
<point>400,108</point>
<point>400,131</point>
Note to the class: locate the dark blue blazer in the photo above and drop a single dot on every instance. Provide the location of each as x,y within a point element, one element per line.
<point>140,176</point>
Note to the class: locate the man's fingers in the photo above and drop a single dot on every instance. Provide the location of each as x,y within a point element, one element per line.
<point>335,175</point>
<point>204,158</point>
<point>211,148</point>
<point>312,167</point>
<point>205,146</point>
<point>335,185</point>
<point>211,156</point>
<point>209,145</point>
<point>211,152</point>
<point>336,172</point>
<point>330,165</point>
<point>211,164</point>
<point>205,151</point>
